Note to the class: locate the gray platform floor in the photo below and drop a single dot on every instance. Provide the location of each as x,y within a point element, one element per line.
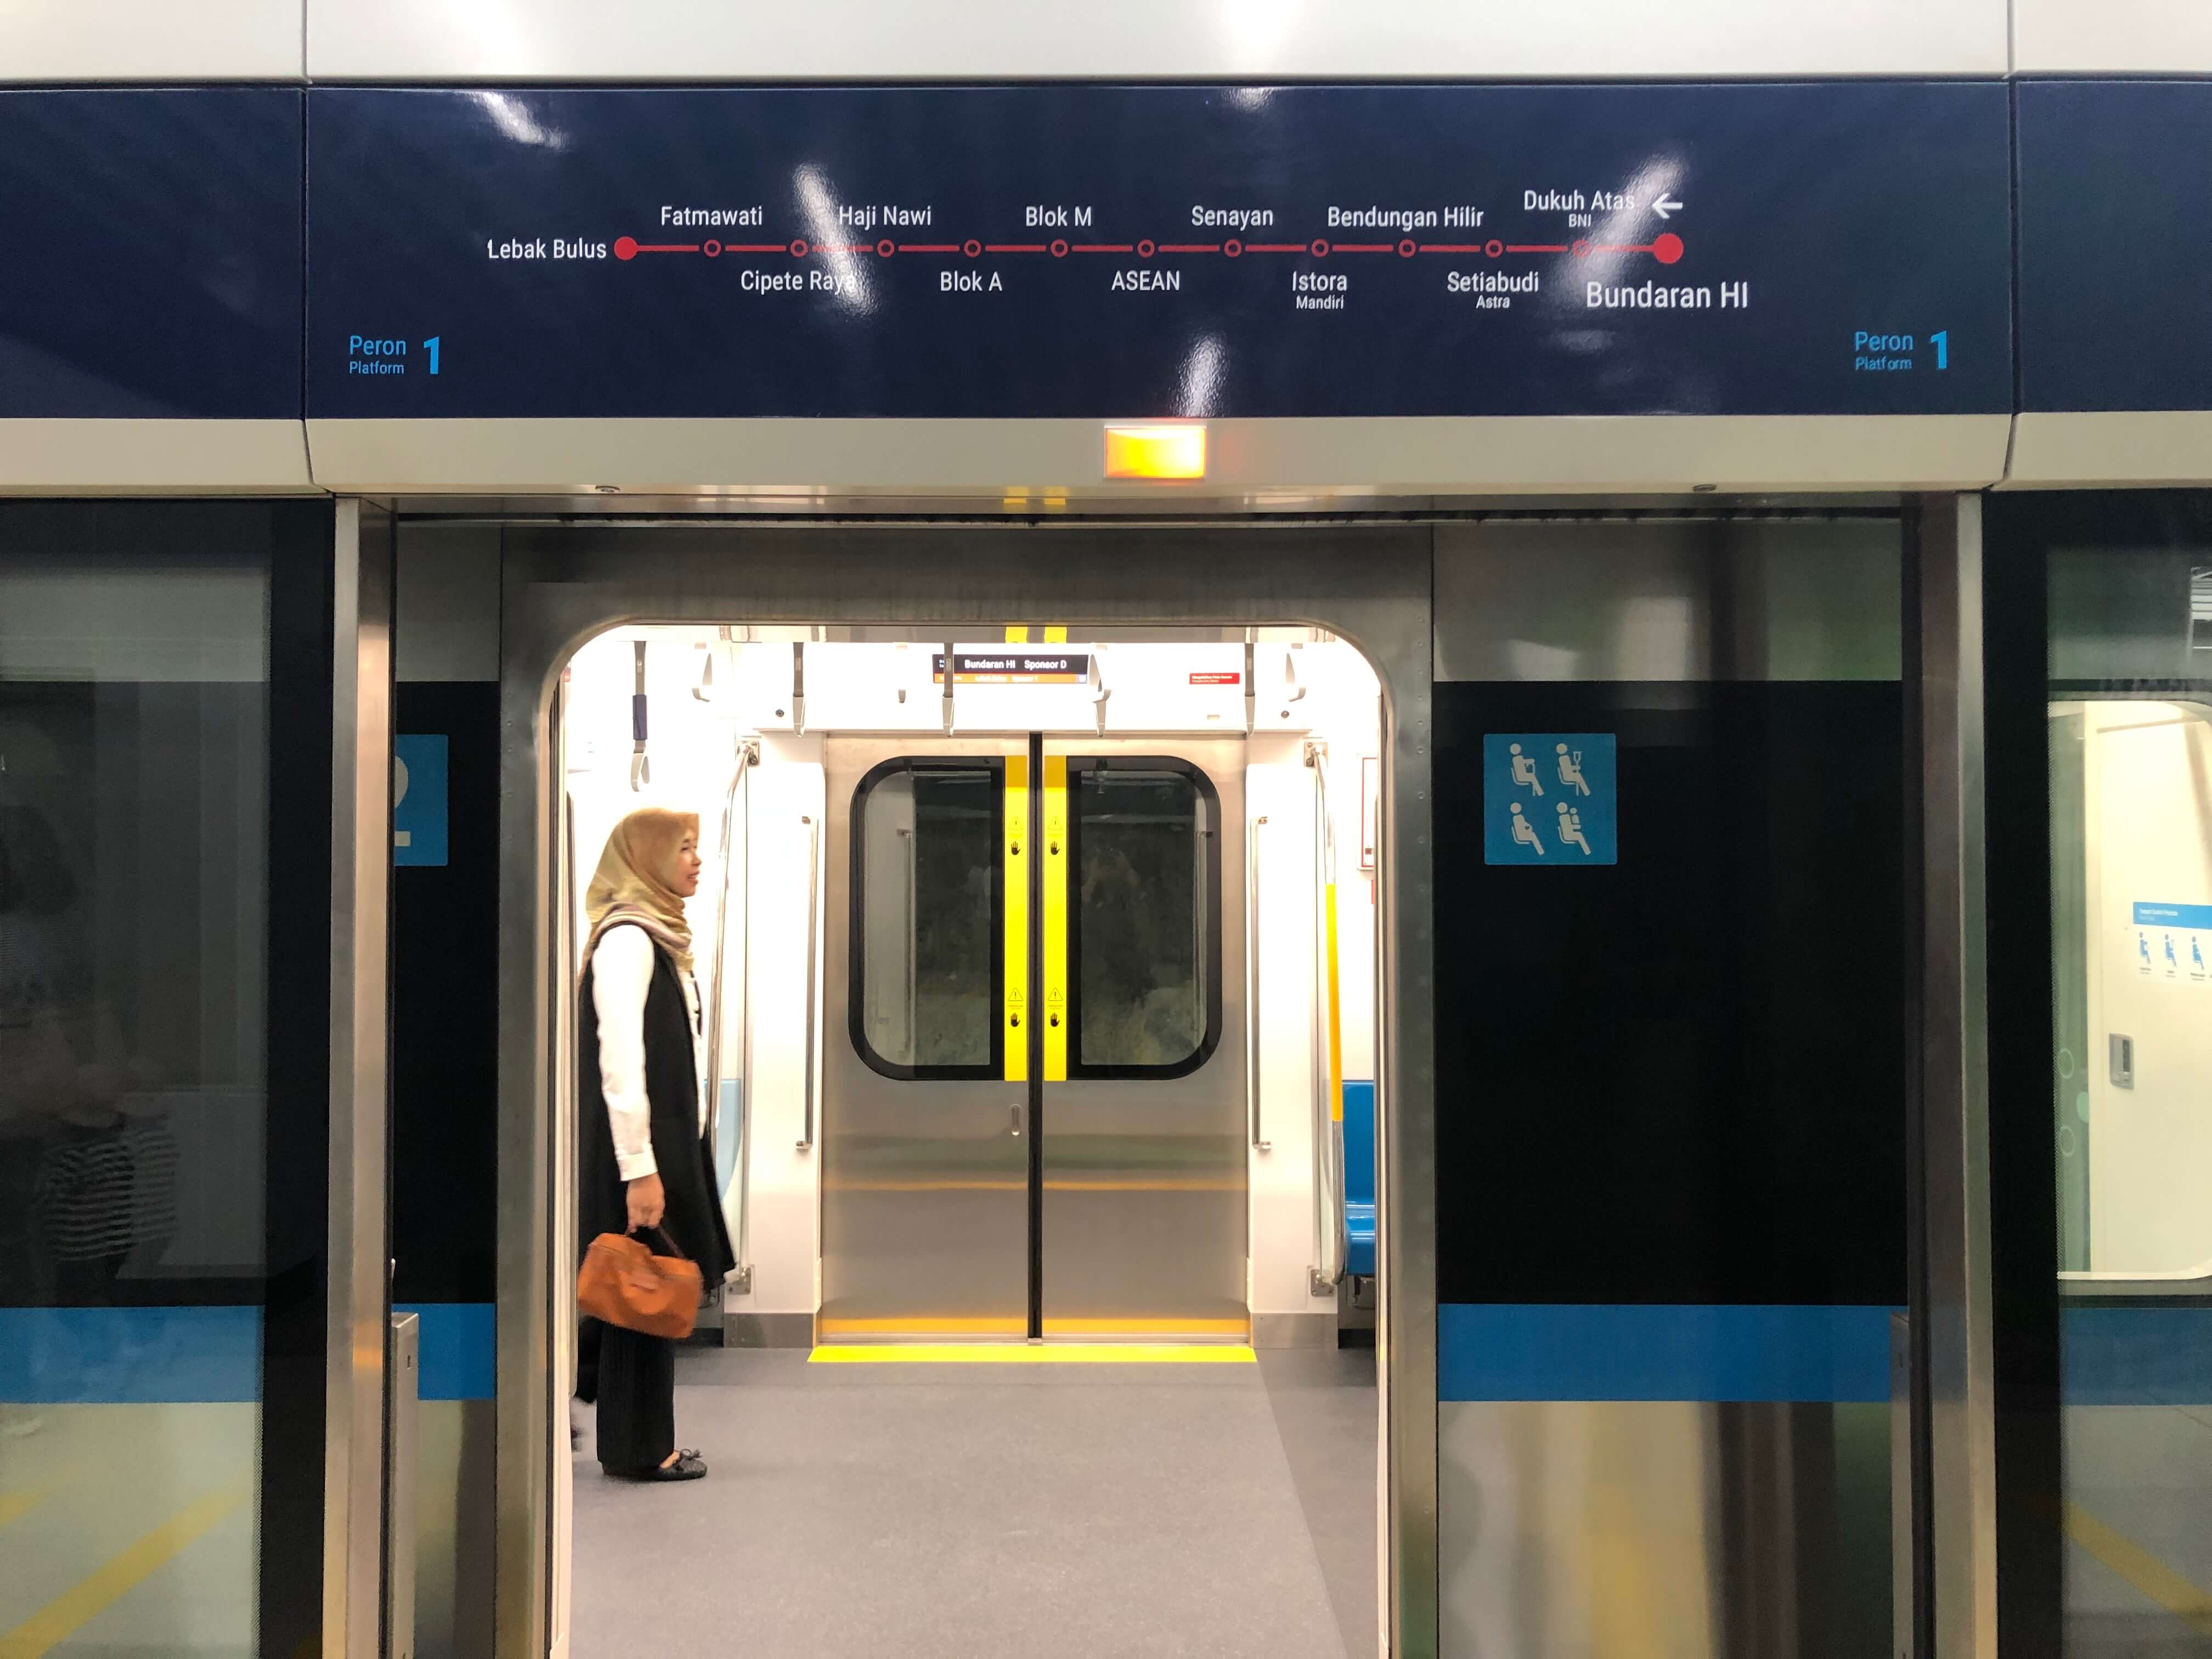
<point>978,1510</point>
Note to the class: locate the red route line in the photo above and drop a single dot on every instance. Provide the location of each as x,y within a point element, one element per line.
<point>1363,247</point>
<point>1535,247</point>
<point>1016,247</point>
<point>1275,247</point>
<point>1189,247</point>
<point>929,247</point>
<point>668,247</point>
<point>1456,248</point>
<point>750,248</point>
<point>1102,247</point>
<point>1621,247</point>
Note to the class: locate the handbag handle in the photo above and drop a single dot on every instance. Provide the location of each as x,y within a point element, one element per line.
<point>661,1233</point>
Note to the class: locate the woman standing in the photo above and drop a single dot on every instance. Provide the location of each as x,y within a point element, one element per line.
<point>644,1160</point>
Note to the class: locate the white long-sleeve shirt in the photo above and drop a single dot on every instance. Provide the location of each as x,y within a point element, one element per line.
<point>621,973</point>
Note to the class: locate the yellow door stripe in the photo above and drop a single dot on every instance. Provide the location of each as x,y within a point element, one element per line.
<point>1017,884</point>
<point>1034,1353</point>
<point>1141,1325</point>
<point>2192,1606</point>
<point>1336,1013</point>
<point>1055,918</point>
<point>75,1608</point>
<point>924,1325</point>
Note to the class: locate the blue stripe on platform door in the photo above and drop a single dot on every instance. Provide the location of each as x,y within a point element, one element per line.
<point>1510,1352</point>
<point>130,1356</point>
<point>456,1341</point>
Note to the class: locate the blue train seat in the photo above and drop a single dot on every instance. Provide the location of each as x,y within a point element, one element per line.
<point>1359,1179</point>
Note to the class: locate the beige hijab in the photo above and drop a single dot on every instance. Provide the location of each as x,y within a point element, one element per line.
<point>635,884</point>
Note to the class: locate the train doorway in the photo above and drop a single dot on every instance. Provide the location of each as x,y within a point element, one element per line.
<point>1034,1021</point>
<point>1031,968</point>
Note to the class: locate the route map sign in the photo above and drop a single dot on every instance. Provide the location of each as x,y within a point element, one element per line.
<point>1102,251</point>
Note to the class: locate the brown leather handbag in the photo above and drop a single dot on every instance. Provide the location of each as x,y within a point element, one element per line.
<point>625,1284</point>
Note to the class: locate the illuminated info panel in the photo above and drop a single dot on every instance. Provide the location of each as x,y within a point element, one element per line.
<point>1178,251</point>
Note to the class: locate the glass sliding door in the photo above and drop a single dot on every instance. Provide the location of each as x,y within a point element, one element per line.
<point>2127,1109</point>
<point>136,1101</point>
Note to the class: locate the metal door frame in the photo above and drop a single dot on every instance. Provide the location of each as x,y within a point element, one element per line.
<point>562,583</point>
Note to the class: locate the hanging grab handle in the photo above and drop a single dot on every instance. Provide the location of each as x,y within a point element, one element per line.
<point>640,769</point>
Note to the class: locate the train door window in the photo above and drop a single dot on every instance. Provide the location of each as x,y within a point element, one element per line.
<point>1146,918</point>
<point>928,903</point>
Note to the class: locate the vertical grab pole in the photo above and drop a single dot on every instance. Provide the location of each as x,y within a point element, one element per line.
<point>1328,1051</point>
<point>747,755</point>
<point>813,927</point>
<point>1252,1049</point>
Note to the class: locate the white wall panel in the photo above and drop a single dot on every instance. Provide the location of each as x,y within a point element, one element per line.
<point>907,39</point>
<point>152,39</point>
<point>2139,37</point>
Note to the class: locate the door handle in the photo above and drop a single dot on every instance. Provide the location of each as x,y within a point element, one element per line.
<point>1016,1127</point>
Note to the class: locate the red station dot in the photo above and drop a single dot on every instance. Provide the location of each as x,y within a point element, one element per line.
<point>1666,248</point>
<point>886,247</point>
<point>799,247</point>
<point>713,250</point>
<point>1059,248</point>
<point>1493,247</point>
<point>971,248</point>
<point>1232,248</point>
<point>1580,249</point>
<point>625,248</point>
<point>1320,248</point>
<point>1147,248</point>
<point>1405,248</point>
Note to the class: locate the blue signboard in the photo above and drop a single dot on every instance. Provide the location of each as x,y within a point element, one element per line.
<point>1549,798</point>
<point>1099,251</point>
<point>2115,242</point>
<point>418,799</point>
<point>153,254</point>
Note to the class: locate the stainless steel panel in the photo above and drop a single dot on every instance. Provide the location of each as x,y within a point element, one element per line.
<point>360,865</point>
<point>783,1330</point>
<point>447,602</point>
<point>1952,1310</point>
<point>1618,1529</point>
<point>925,1187</point>
<point>453,1530</point>
<point>1687,600</point>
<point>562,583</point>
<point>1289,1330</point>
<point>402,1466</point>
<point>1145,1207</point>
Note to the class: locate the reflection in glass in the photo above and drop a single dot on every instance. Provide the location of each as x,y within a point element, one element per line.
<point>2130,774</point>
<point>133,859</point>
<point>1140,933</point>
<point>930,858</point>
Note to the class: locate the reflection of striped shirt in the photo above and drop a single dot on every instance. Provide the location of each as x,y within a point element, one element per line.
<point>105,1192</point>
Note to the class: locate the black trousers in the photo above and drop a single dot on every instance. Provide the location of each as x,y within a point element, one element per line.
<point>632,1377</point>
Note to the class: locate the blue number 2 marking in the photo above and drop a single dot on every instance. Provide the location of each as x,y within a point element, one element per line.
<point>431,345</point>
<point>1942,342</point>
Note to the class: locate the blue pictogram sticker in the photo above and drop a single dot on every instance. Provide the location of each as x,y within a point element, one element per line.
<point>1548,798</point>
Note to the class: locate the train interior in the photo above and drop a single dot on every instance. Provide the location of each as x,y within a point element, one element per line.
<point>1039,972</point>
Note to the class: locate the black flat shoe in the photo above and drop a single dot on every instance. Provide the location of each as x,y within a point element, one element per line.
<point>688,1466</point>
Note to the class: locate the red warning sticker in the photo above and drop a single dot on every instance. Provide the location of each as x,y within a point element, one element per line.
<point>1231,677</point>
